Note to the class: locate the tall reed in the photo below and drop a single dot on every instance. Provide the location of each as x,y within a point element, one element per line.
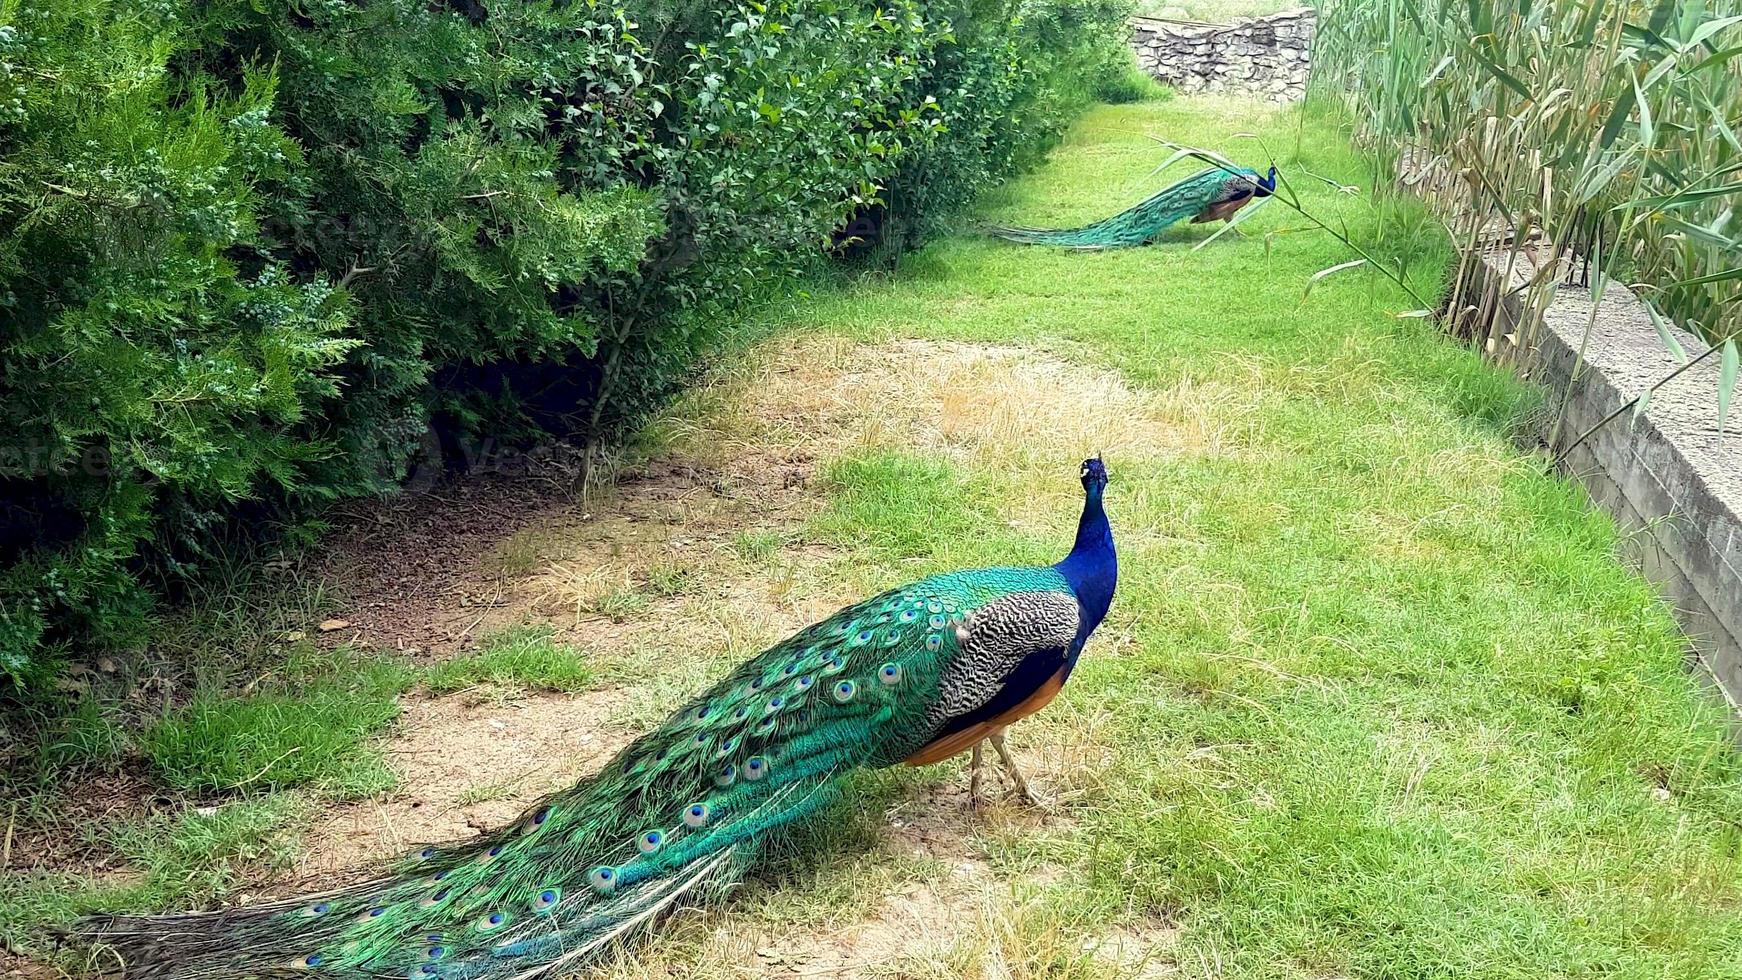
<point>1586,138</point>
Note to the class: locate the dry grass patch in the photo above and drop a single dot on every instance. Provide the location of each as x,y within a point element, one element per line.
<point>972,403</point>
<point>466,765</point>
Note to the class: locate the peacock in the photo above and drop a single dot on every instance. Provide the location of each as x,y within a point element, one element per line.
<point>1208,195</point>
<point>915,675</point>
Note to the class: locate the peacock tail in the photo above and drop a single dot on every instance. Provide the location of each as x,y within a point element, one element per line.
<point>681,811</point>
<point>1204,196</point>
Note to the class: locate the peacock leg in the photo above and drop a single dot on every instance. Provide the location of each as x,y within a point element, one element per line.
<point>1022,791</point>
<point>974,777</point>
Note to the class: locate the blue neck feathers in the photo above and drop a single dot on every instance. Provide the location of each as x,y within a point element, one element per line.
<point>1092,567</point>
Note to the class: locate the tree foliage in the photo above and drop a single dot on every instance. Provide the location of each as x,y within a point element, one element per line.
<point>252,251</point>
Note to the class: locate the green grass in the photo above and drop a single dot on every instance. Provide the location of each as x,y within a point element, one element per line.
<point>1378,698</point>
<point>527,657</point>
<point>175,860</point>
<point>757,546</point>
<point>312,726</point>
<point>84,737</point>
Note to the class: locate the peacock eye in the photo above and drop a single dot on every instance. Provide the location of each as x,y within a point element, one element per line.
<point>696,816</point>
<point>755,768</point>
<point>890,674</point>
<point>603,879</point>
<point>844,691</point>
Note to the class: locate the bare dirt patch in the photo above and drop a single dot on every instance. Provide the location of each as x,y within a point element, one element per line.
<point>431,572</point>
<point>467,764</point>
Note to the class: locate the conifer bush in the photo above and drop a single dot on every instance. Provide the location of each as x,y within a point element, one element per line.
<point>252,251</point>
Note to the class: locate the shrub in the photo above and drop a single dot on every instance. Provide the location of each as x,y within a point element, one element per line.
<point>1130,83</point>
<point>257,255</point>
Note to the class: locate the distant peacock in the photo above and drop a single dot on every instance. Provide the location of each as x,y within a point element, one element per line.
<point>915,675</point>
<point>1207,195</point>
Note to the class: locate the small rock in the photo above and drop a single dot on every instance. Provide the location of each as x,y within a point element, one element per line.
<point>107,665</point>
<point>329,625</point>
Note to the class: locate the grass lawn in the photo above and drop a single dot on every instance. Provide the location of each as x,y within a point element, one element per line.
<point>1375,699</point>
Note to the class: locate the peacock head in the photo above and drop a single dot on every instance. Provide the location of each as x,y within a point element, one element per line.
<point>1266,185</point>
<point>1094,474</point>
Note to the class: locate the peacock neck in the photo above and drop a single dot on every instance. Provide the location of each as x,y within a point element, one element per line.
<point>1092,567</point>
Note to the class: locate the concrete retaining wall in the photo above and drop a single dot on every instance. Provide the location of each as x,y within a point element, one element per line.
<point>1674,490</point>
<point>1268,56</point>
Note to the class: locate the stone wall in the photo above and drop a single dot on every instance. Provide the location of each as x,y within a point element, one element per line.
<point>1268,56</point>
<point>1673,485</point>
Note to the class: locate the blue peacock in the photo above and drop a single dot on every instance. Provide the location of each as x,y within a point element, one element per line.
<point>1208,195</point>
<point>915,675</point>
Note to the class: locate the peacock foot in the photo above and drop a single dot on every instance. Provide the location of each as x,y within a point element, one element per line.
<point>1018,783</point>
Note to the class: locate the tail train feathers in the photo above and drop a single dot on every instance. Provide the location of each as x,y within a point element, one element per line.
<point>486,913</point>
<point>680,810</point>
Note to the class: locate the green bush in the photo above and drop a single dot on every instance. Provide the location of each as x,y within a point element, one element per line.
<point>258,255</point>
<point>1130,83</point>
